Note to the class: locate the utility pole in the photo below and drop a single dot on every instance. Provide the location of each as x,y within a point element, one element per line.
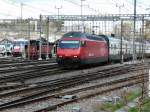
<point>121,52</point>
<point>40,48</point>
<point>47,25</point>
<point>134,30</point>
<point>58,10</point>
<point>29,38</point>
<point>119,6</point>
<point>21,33</point>
<point>82,15</point>
<point>142,36</point>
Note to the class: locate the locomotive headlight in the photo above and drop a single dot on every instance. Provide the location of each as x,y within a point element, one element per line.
<point>60,56</point>
<point>75,56</point>
<point>83,43</point>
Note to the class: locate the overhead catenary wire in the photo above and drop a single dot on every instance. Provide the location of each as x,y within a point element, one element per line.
<point>30,7</point>
<point>77,4</point>
<point>126,8</point>
<point>140,4</point>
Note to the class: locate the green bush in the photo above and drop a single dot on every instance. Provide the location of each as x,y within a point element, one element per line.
<point>110,106</point>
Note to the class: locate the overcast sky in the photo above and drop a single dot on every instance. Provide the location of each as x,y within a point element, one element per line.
<point>33,8</point>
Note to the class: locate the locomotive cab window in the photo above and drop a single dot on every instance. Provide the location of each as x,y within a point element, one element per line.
<point>69,44</point>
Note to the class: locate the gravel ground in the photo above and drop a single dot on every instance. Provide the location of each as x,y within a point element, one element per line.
<point>92,104</point>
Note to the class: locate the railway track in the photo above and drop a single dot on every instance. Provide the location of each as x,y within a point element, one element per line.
<point>24,70</point>
<point>52,87</point>
<point>44,70</point>
<point>111,86</point>
<point>38,71</point>
<point>25,67</point>
<point>16,59</point>
<point>24,63</point>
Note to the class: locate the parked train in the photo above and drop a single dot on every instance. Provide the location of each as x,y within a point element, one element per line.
<point>77,48</point>
<point>33,49</point>
<point>19,47</point>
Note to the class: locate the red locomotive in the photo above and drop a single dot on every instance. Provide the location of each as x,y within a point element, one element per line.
<point>77,48</point>
<point>33,49</point>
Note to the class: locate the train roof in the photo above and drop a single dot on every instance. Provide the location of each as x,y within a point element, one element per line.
<point>74,34</point>
<point>113,39</point>
<point>77,34</point>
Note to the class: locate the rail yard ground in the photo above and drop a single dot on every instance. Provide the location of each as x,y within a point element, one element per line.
<point>41,86</point>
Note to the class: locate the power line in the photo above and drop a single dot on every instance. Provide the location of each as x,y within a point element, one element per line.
<point>72,2</point>
<point>38,8</point>
<point>120,6</point>
<point>125,9</point>
<point>27,5</point>
<point>139,4</point>
<point>80,6</point>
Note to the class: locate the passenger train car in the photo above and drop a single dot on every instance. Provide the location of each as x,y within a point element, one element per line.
<point>77,48</point>
<point>147,49</point>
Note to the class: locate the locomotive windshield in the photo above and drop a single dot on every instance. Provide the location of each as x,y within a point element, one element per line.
<point>73,35</point>
<point>69,44</point>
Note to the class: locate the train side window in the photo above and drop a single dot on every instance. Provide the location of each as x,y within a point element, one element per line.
<point>115,46</point>
<point>111,46</point>
<point>89,37</point>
